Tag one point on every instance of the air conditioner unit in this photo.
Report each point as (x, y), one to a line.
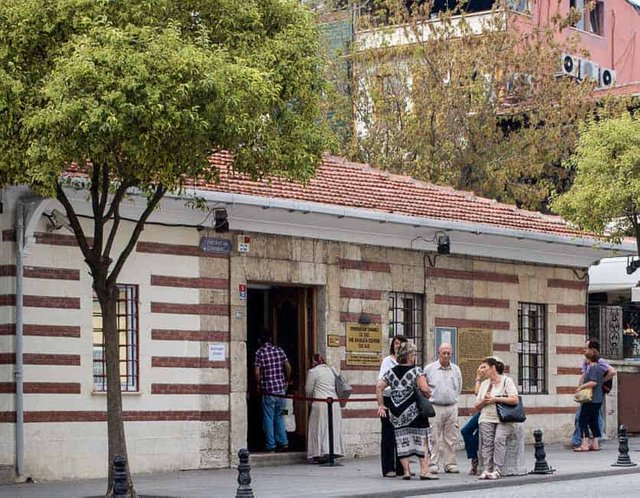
(607, 77)
(589, 70)
(570, 65)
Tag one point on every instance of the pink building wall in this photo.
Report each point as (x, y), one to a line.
(619, 46)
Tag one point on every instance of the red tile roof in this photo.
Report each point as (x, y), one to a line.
(342, 183)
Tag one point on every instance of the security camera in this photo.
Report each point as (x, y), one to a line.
(58, 221)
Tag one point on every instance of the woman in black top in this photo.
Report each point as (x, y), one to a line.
(409, 427)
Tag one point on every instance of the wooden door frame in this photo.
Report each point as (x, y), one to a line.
(307, 341)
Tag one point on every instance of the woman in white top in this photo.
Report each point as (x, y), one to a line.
(321, 383)
(391, 465)
(496, 388)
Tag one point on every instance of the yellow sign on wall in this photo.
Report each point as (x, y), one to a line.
(364, 359)
(364, 338)
(333, 340)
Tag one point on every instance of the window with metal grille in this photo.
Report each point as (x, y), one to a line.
(405, 317)
(127, 322)
(532, 348)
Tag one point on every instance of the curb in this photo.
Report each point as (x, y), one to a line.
(502, 483)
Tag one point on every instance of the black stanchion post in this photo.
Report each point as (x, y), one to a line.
(623, 450)
(244, 475)
(331, 461)
(541, 466)
(120, 478)
(331, 455)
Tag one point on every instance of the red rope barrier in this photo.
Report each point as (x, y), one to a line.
(325, 400)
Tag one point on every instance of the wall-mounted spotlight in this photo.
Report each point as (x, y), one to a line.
(220, 220)
(57, 220)
(444, 245)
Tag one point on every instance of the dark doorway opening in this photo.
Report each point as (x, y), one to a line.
(289, 314)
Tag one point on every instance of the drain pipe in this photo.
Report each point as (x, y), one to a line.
(19, 372)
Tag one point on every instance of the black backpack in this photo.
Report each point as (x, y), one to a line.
(607, 386)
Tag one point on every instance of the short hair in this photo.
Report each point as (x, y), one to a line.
(592, 355)
(593, 343)
(265, 338)
(406, 348)
(401, 338)
(494, 361)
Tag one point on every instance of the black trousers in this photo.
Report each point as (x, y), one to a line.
(589, 419)
(388, 455)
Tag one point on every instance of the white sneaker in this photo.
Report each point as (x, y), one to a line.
(484, 475)
(494, 476)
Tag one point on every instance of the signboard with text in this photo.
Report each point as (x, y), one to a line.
(216, 246)
(474, 345)
(364, 338)
(364, 359)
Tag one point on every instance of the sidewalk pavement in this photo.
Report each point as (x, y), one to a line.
(355, 478)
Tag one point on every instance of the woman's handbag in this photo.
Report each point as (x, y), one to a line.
(424, 405)
(343, 389)
(511, 413)
(584, 395)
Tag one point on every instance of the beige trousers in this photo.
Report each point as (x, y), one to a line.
(493, 444)
(444, 432)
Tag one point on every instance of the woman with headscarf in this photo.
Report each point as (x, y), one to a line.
(409, 426)
(321, 383)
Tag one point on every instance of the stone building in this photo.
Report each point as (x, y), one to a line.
(350, 259)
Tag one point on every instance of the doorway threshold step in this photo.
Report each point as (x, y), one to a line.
(274, 459)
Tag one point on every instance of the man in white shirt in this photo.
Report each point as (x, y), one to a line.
(445, 381)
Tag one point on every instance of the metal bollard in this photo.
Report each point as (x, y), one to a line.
(244, 475)
(541, 466)
(120, 477)
(623, 450)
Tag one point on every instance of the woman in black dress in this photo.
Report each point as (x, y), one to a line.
(409, 426)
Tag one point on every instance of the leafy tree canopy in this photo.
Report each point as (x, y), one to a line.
(605, 196)
(139, 94)
(152, 88)
(476, 102)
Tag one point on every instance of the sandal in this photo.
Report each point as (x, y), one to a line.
(594, 449)
(580, 450)
(428, 477)
(406, 477)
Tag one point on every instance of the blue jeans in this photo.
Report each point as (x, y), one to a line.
(576, 438)
(470, 436)
(273, 422)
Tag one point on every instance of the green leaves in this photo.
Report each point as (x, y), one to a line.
(472, 101)
(605, 197)
(150, 88)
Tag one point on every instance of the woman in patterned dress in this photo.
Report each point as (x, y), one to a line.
(409, 427)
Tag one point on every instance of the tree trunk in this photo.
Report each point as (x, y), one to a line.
(115, 423)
